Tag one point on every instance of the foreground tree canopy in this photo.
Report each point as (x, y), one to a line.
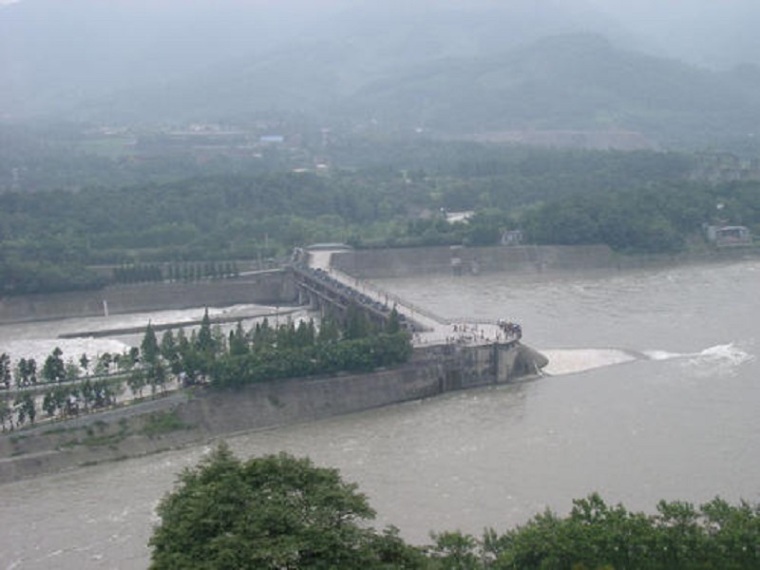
(280, 512)
(270, 512)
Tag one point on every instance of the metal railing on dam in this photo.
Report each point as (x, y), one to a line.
(323, 291)
(325, 288)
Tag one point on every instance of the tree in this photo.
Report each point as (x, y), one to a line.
(596, 535)
(6, 413)
(22, 373)
(6, 376)
(170, 352)
(393, 325)
(156, 376)
(71, 371)
(357, 323)
(238, 342)
(103, 365)
(84, 362)
(149, 346)
(275, 512)
(205, 336)
(25, 408)
(136, 381)
(54, 369)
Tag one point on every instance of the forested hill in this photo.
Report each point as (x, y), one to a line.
(569, 82)
(449, 72)
(577, 82)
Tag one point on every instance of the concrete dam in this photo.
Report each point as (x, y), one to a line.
(447, 357)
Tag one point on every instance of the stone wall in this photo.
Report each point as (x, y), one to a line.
(383, 263)
(208, 415)
(267, 288)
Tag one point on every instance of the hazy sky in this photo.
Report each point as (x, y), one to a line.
(712, 32)
(63, 47)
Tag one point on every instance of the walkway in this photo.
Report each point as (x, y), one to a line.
(430, 329)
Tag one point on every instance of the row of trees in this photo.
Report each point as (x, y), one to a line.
(269, 352)
(55, 369)
(660, 218)
(58, 402)
(146, 273)
(281, 512)
(207, 355)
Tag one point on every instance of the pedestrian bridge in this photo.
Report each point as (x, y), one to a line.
(328, 290)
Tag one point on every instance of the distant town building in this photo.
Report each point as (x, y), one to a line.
(271, 139)
(457, 217)
(728, 236)
(511, 237)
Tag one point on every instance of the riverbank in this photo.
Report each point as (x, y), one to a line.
(274, 287)
(197, 415)
(457, 260)
(262, 288)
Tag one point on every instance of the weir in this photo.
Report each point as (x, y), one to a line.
(448, 356)
(325, 288)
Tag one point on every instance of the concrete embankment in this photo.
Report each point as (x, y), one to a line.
(457, 260)
(265, 288)
(408, 262)
(199, 415)
(202, 415)
(276, 287)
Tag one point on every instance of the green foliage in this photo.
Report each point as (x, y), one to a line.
(163, 422)
(6, 375)
(455, 551)
(654, 219)
(26, 408)
(279, 361)
(6, 414)
(275, 512)
(280, 512)
(596, 535)
(54, 369)
(149, 346)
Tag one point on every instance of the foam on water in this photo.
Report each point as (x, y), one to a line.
(570, 361)
(727, 353)
(662, 355)
(39, 349)
(718, 359)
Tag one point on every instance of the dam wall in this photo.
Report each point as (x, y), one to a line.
(205, 415)
(409, 262)
(265, 288)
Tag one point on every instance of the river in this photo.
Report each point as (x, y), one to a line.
(653, 392)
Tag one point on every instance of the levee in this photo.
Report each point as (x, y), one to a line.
(204, 415)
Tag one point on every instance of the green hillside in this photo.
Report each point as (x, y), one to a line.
(568, 82)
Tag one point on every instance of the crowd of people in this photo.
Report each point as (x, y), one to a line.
(511, 330)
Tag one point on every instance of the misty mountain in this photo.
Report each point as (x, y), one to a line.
(453, 68)
(708, 33)
(55, 55)
(576, 81)
(567, 82)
